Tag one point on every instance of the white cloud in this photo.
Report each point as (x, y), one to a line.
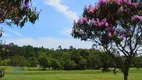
(13, 32)
(6, 35)
(67, 32)
(62, 9)
(49, 42)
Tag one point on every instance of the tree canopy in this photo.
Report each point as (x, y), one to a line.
(116, 25)
(17, 12)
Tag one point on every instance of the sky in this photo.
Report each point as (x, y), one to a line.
(53, 27)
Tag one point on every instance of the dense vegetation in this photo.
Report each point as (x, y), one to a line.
(67, 59)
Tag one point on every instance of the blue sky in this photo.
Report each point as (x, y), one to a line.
(53, 27)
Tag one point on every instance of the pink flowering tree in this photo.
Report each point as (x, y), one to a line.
(116, 25)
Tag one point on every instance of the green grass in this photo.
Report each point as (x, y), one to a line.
(69, 75)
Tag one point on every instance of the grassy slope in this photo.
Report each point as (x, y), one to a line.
(69, 75)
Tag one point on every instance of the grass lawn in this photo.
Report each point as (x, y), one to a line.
(69, 75)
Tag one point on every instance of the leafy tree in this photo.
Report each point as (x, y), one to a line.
(71, 48)
(56, 65)
(82, 64)
(105, 59)
(5, 62)
(113, 25)
(69, 65)
(43, 62)
(19, 61)
(76, 57)
(94, 62)
(59, 47)
(138, 62)
(32, 62)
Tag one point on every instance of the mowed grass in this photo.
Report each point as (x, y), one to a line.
(69, 75)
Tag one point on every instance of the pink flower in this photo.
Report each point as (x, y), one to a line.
(115, 32)
(109, 35)
(99, 24)
(122, 36)
(135, 17)
(119, 2)
(90, 9)
(134, 4)
(103, 1)
(93, 22)
(125, 1)
(110, 28)
(106, 24)
(129, 2)
(96, 6)
(75, 22)
(26, 5)
(82, 20)
(90, 6)
(140, 17)
(104, 20)
(98, 20)
(121, 9)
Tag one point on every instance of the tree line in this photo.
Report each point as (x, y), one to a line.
(60, 59)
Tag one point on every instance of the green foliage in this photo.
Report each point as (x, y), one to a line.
(32, 62)
(43, 62)
(69, 65)
(5, 62)
(56, 65)
(67, 59)
(82, 64)
(18, 61)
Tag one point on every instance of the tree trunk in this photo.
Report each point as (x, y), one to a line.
(126, 73)
(125, 77)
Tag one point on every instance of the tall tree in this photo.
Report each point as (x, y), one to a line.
(114, 25)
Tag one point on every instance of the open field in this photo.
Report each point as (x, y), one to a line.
(69, 75)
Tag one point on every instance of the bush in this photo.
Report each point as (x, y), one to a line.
(56, 65)
(70, 65)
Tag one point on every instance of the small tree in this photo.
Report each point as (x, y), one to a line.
(116, 25)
